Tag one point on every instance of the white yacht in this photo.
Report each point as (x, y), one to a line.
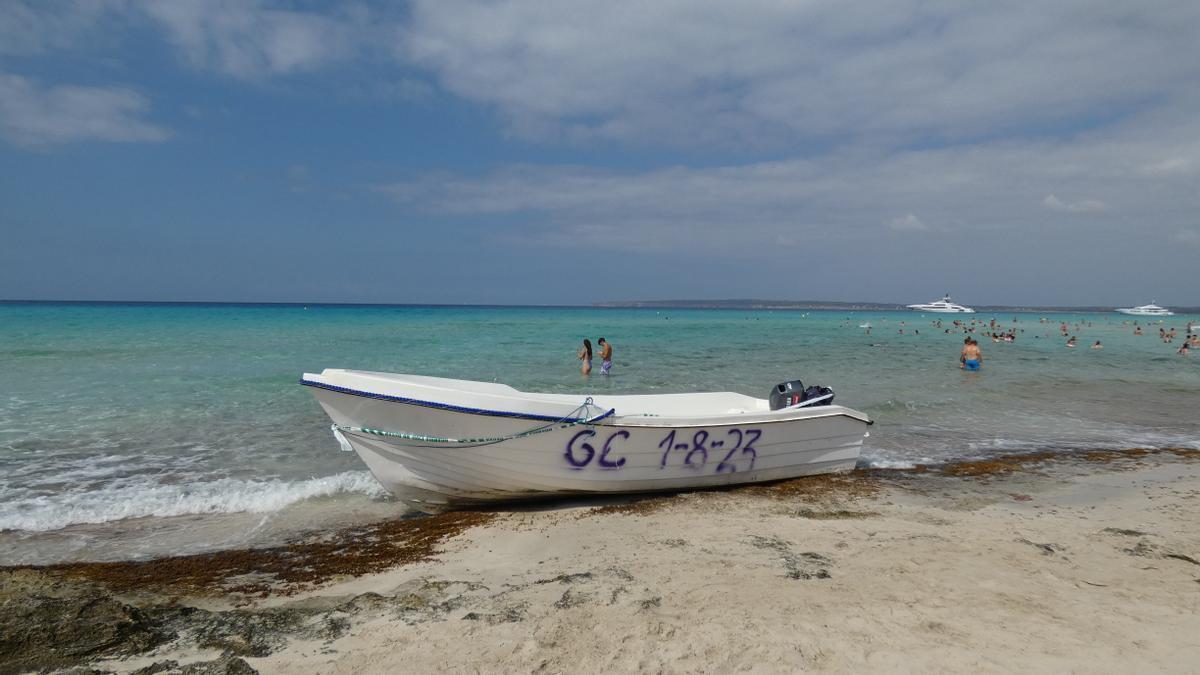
(1146, 310)
(944, 306)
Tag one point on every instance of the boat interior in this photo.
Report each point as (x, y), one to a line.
(501, 397)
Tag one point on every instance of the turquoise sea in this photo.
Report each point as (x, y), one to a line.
(132, 430)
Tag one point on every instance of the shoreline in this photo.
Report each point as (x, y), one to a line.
(994, 565)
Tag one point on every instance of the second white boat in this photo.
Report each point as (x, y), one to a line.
(943, 306)
(439, 443)
(1146, 310)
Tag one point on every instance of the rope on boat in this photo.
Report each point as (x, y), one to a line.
(811, 401)
(569, 420)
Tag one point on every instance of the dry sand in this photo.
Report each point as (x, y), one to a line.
(1066, 566)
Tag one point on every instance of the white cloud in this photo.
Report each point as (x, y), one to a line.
(909, 223)
(34, 115)
(967, 191)
(251, 39)
(695, 72)
(1083, 206)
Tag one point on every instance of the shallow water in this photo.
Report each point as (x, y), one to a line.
(137, 430)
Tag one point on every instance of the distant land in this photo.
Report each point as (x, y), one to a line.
(612, 304)
(825, 304)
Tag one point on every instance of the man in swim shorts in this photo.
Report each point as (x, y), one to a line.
(605, 356)
(972, 356)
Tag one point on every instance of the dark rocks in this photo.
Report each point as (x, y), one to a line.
(168, 666)
(48, 623)
(42, 631)
(369, 602)
(246, 633)
(228, 664)
(252, 633)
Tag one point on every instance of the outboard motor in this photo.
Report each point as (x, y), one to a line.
(787, 393)
(790, 393)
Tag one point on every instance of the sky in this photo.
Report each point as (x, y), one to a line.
(568, 152)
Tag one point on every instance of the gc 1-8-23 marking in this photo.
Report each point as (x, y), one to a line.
(737, 444)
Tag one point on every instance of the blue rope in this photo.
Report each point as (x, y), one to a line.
(565, 422)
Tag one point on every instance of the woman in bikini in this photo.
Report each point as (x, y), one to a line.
(585, 355)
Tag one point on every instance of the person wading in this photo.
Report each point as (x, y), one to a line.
(972, 356)
(585, 355)
(605, 356)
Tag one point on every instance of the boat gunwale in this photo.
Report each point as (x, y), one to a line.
(441, 406)
(449, 407)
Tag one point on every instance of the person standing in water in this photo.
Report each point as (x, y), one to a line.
(585, 355)
(972, 356)
(605, 356)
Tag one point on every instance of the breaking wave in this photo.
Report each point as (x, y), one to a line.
(227, 495)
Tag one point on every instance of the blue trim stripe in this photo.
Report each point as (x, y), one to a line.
(442, 406)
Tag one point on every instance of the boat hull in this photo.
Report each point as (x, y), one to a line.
(941, 310)
(572, 459)
(1134, 312)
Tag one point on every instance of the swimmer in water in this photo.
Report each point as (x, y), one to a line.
(972, 356)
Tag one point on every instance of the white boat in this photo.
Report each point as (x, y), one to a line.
(944, 306)
(1146, 310)
(438, 443)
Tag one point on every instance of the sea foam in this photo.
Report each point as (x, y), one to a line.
(226, 495)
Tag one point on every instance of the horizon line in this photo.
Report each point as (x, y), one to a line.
(727, 303)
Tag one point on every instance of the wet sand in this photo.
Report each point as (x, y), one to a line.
(1044, 563)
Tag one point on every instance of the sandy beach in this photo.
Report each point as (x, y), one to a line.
(1088, 562)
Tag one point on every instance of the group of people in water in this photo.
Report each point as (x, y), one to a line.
(1191, 336)
(585, 356)
(971, 357)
